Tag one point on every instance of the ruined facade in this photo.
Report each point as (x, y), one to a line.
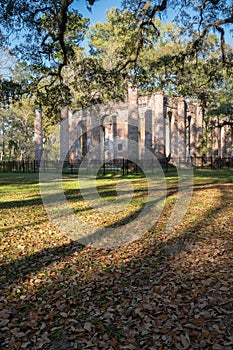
(168, 127)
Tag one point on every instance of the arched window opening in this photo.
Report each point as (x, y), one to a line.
(108, 136)
(188, 137)
(168, 121)
(82, 141)
(148, 130)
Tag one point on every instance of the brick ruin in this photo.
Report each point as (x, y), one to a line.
(168, 127)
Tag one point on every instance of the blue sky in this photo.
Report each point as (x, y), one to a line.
(99, 9)
(101, 6)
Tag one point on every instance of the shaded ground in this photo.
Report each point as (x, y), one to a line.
(166, 291)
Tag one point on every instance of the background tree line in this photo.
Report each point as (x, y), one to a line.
(49, 66)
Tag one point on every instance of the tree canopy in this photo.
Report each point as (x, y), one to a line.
(47, 30)
(187, 56)
(48, 35)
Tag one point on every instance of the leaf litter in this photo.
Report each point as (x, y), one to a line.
(166, 291)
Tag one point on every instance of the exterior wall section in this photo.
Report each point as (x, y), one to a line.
(169, 127)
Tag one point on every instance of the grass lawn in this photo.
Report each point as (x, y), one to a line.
(164, 291)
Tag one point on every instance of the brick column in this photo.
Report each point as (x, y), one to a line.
(159, 125)
(141, 134)
(64, 134)
(181, 126)
(133, 122)
(197, 131)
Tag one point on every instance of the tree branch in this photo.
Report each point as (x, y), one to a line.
(145, 22)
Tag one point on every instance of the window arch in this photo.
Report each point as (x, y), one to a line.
(82, 139)
(168, 135)
(188, 136)
(108, 136)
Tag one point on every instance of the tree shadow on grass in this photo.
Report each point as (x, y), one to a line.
(32, 263)
(47, 256)
(163, 292)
